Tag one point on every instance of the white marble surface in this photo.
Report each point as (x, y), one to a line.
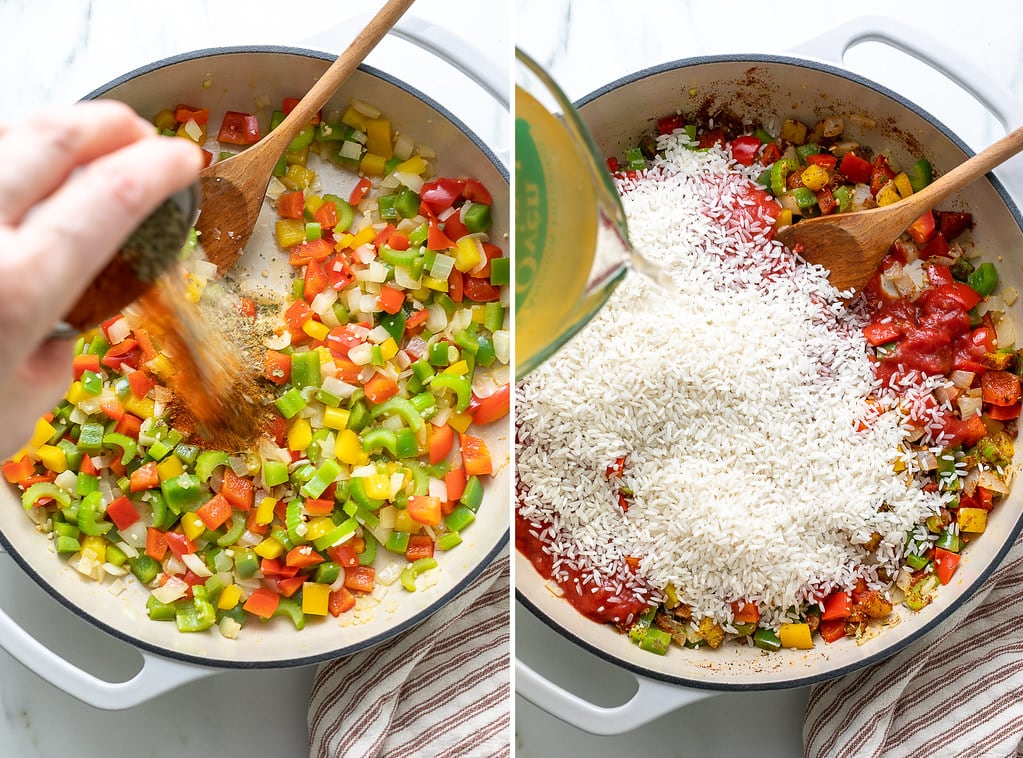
(589, 43)
(56, 51)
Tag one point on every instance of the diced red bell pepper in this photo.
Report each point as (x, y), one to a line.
(314, 281)
(145, 477)
(303, 556)
(454, 229)
(882, 333)
(237, 490)
(440, 194)
(824, 160)
(277, 367)
(1000, 388)
(215, 512)
(156, 543)
(291, 205)
(125, 352)
(379, 388)
(419, 546)
(939, 275)
(456, 285)
(360, 191)
(936, 248)
(491, 408)
(668, 124)
(424, 509)
(275, 567)
(454, 482)
(339, 601)
(321, 506)
(300, 255)
(123, 512)
(326, 215)
(85, 362)
(945, 564)
(854, 168)
(475, 456)
(880, 174)
(826, 200)
(479, 290)
(141, 383)
(178, 543)
(288, 105)
(475, 192)
(344, 555)
(390, 299)
(262, 602)
(129, 426)
(710, 138)
(184, 113)
(291, 584)
(437, 239)
(923, 229)
(19, 470)
(442, 439)
(771, 153)
(964, 294)
(239, 129)
(952, 224)
(745, 612)
(360, 578)
(384, 236)
(832, 631)
(1004, 412)
(744, 149)
(838, 605)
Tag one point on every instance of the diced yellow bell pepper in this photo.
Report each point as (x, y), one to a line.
(297, 157)
(299, 435)
(315, 598)
(903, 185)
(972, 520)
(347, 447)
(335, 418)
(479, 314)
(319, 527)
(372, 164)
(344, 242)
(143, 407)
(165, 120)
(265, 510)
(192, 525)
(468, 254)
(170, 467)
(403, 522)
(795, 635)
(194, 287)
(190, 130)
(297, 178)
(887, 195)
(53, 458)
(784, 218)
(269, 548)
(378, 486)
(364, 236)
(96, 546)
(815, 177)
(439, 285)
(414, 165)
(457, 368)
(378, 138)
(229, 597)
(388, 348)
(161, 366)
(289, 232)
(316, 329)
(460, 422)
(312, 204)
(41, 434)
(354, 119)
(76, 393)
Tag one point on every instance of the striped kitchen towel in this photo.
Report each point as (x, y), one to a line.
(956, 692)
(441, 689)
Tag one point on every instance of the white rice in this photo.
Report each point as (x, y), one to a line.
(739, 401)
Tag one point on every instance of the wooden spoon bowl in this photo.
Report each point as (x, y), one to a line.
(233, 189)
(852, 245)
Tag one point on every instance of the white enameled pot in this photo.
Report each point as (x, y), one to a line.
(770, 88)
(242, 79)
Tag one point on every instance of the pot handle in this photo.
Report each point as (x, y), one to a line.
(652, 700)
(449, 47)
(832, 46)
(157, 675)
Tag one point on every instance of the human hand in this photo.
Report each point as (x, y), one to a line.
(74, 183)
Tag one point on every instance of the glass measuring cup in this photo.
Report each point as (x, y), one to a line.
(571, 240)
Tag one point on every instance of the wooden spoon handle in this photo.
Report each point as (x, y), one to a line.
(968, 171)
(339, 70)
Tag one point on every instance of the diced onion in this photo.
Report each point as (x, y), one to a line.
(970, 405)
(442, 266)
(324, 301)
(367, 110)
(196, 564)
(989, 480)
(962, 379)
(438, 488)
(135, 535)
(404, 279)
(361, 355)
(437, 318)
(502, 345)
(173, 589)
(403, 147)
(413, 181)
(379, 334)
(1005, 331)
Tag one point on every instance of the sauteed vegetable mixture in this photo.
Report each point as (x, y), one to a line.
(380, 367)
(942, 351)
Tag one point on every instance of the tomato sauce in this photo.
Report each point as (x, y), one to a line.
(596, 605)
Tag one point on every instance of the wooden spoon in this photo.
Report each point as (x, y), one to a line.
(233, 190)
(852, 245)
